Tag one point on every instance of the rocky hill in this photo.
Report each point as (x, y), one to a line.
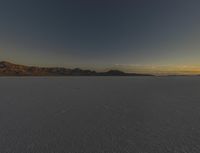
(10, 69)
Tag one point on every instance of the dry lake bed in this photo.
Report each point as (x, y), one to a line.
(100, 115)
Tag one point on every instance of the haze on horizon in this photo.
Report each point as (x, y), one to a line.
(156, 36)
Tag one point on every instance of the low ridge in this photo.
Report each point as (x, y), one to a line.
(11, 69)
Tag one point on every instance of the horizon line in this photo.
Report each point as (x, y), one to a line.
(126, 68)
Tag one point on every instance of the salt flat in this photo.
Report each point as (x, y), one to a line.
(100, 115)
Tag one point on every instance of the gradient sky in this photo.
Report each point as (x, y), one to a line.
(146, 35)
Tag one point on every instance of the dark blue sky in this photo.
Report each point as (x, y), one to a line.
(101, 33)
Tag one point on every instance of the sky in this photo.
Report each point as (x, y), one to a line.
(155, 36)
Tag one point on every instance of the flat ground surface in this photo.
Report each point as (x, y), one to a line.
(100, 115)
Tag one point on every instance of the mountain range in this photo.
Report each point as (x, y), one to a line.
(11, 69)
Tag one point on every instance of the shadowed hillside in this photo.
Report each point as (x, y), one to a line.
(10, 69)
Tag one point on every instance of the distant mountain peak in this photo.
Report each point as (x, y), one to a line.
(4, 64)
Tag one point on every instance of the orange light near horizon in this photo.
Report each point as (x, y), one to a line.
(161, 70)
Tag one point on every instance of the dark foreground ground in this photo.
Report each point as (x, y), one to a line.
(100, 115)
